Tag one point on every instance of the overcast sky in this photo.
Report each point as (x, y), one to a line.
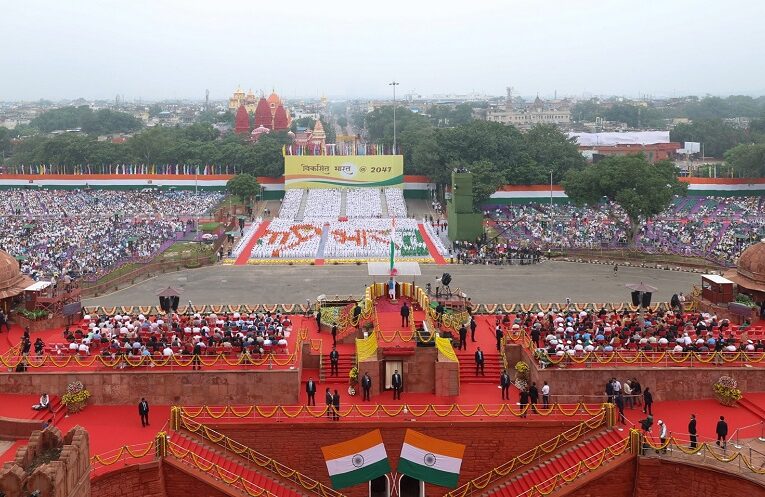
(158, 49)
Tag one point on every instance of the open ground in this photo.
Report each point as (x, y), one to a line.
(550, 281)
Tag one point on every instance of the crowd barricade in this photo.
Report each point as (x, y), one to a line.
(642, 358)
(394, 412)
(572, 434)
(181, 422)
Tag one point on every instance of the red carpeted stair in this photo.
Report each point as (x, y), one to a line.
(558, 463)
(492, 366)
(56, 410)
(752, 407)
(247, 251)
(346, 361)
(231, 465)
(438, 258)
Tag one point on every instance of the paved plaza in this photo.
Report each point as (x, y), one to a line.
(549, 281)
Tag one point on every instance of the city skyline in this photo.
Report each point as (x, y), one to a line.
(177, 50)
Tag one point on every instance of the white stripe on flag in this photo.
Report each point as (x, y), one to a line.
(442, 463)
(346, 463)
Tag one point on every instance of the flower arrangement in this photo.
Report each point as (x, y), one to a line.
(76, 397)
(353, 375)
(521, 369)
(726, 391)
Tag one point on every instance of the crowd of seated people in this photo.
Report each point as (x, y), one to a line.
(58, 233)
(717, 228)
(135, 336)
(577, 333)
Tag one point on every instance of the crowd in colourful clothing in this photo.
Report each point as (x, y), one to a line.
(60, 233)
(716, 228)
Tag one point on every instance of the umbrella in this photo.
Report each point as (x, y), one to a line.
(641, 287)
(21, 257)
(170, 292)
(232, 233)
(28, 226)
(241, 217)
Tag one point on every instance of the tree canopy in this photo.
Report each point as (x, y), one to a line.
(98, 122)
(747, 160)
(716, 136)
(640, 188)
(245, 186)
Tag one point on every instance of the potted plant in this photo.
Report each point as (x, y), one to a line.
(76, 397)
(726, 391)
(353, 381)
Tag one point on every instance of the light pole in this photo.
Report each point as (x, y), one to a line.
(551, 187)
(394, 84)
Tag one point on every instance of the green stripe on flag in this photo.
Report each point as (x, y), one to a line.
(361, 475)
(428, 475)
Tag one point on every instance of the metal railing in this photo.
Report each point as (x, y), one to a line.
(278, 469)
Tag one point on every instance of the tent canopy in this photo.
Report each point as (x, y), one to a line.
(170, 292)
(400, 268)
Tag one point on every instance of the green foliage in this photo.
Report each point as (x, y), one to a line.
(34, 315)
(745, 299)
(244, 186)
(487, 179)
(747, 160)
(716, 136)
(445, 116)
(103, 121)
(635, 116)
(640, 188)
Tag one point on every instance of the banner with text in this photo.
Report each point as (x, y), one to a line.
(328, 171)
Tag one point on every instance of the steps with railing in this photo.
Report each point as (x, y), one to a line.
(255, 464)
(225, 468)
(565, 466)
(500, 476)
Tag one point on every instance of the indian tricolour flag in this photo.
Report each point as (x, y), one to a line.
(356, 461)
(430, 459)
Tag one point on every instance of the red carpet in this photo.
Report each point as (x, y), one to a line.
(245, 254)
(542, 474)
(230, 467)
(431, 247)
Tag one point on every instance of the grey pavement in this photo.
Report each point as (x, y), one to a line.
(549, 281)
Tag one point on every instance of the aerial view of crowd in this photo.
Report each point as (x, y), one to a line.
(577, 333)
(714, 228)
(58, 233)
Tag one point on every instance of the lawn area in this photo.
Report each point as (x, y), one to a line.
(187, 249)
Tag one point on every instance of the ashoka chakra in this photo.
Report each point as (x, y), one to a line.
(429, 459)
(357, 460)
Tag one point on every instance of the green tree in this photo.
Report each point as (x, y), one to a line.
(714, 134)
(553, 151)
(103, 121)
(640, 188)
(487, 179)
(747, 160)
(245, 186)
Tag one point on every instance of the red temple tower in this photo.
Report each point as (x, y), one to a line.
(242, 122)
(263, 115)
(281, 121)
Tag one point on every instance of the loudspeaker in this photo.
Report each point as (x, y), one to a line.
(174, 301)
(636, 298)
(164, 303)
(646, 299)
